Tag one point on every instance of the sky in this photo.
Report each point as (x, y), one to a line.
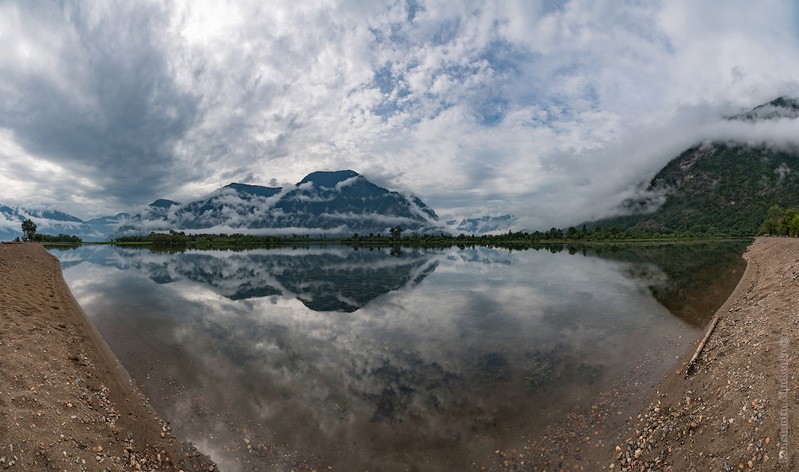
(554, 111)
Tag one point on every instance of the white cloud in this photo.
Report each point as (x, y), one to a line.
(551, 111)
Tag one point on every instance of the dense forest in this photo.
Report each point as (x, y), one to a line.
(781, 222)
(59, 238)
(714, 189)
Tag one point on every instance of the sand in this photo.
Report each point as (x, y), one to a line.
(65, 401)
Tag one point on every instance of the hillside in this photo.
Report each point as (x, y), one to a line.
(50, 222)
(717, 188)
(484, 224)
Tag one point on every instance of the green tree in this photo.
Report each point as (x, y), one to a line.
(395, 232)
(792, 223)
(29, 229)
(774, 218)
(571, 233)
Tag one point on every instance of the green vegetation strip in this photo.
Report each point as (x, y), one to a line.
(507, 240)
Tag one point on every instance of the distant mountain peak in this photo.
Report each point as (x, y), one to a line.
(258, 190)
(330, 202)
(781, 107)
(52, 222)
(48, 214)
(163, 203)
(785, 102)
(328, 179)
(488, 224)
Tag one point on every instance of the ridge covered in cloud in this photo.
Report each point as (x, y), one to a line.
(330, 203)
(552, 111)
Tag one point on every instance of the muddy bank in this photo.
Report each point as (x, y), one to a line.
(739, 409)
(65, 401)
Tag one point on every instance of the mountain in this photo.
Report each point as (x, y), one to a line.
(47, 222)
(56, 222)
(718, 188)
(333, 202)
(483, 224)
(257, 190)
(163, 203)
(782, 107)
(100, 228)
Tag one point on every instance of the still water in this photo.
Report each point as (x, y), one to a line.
(273, 359)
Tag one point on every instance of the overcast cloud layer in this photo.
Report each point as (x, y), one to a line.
(552, 111)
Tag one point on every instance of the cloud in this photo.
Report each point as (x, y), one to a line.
(553, 111)
(91, 90)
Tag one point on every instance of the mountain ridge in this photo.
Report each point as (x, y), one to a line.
(717, 188)
(711, 188)
(338, 203)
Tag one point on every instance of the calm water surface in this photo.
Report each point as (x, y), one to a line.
(374, 360)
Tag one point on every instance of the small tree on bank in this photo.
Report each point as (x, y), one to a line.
(396, 232)
(29, 229)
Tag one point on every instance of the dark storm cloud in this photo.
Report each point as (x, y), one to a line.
(107, 106)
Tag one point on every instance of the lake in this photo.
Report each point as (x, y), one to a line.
(314, 357)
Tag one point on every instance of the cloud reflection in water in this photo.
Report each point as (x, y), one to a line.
(360, 359)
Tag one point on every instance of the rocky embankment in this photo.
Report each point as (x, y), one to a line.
(739, 408)
(65, 402)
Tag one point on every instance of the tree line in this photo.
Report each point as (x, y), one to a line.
(29, 234)
(780, 222)
(399, 236)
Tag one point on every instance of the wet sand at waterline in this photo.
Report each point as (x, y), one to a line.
(65, 401)
(739, 408)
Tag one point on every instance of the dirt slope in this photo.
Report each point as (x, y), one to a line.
(65, 402)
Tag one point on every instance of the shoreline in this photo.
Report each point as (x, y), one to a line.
(736, 410)
(585, 437)
(66, 403)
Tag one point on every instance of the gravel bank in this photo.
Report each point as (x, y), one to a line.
(65, 401)
(739, 409)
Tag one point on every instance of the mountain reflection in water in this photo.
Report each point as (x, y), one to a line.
(323, 280)
(365, 360)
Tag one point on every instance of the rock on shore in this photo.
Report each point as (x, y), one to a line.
(65, 401)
